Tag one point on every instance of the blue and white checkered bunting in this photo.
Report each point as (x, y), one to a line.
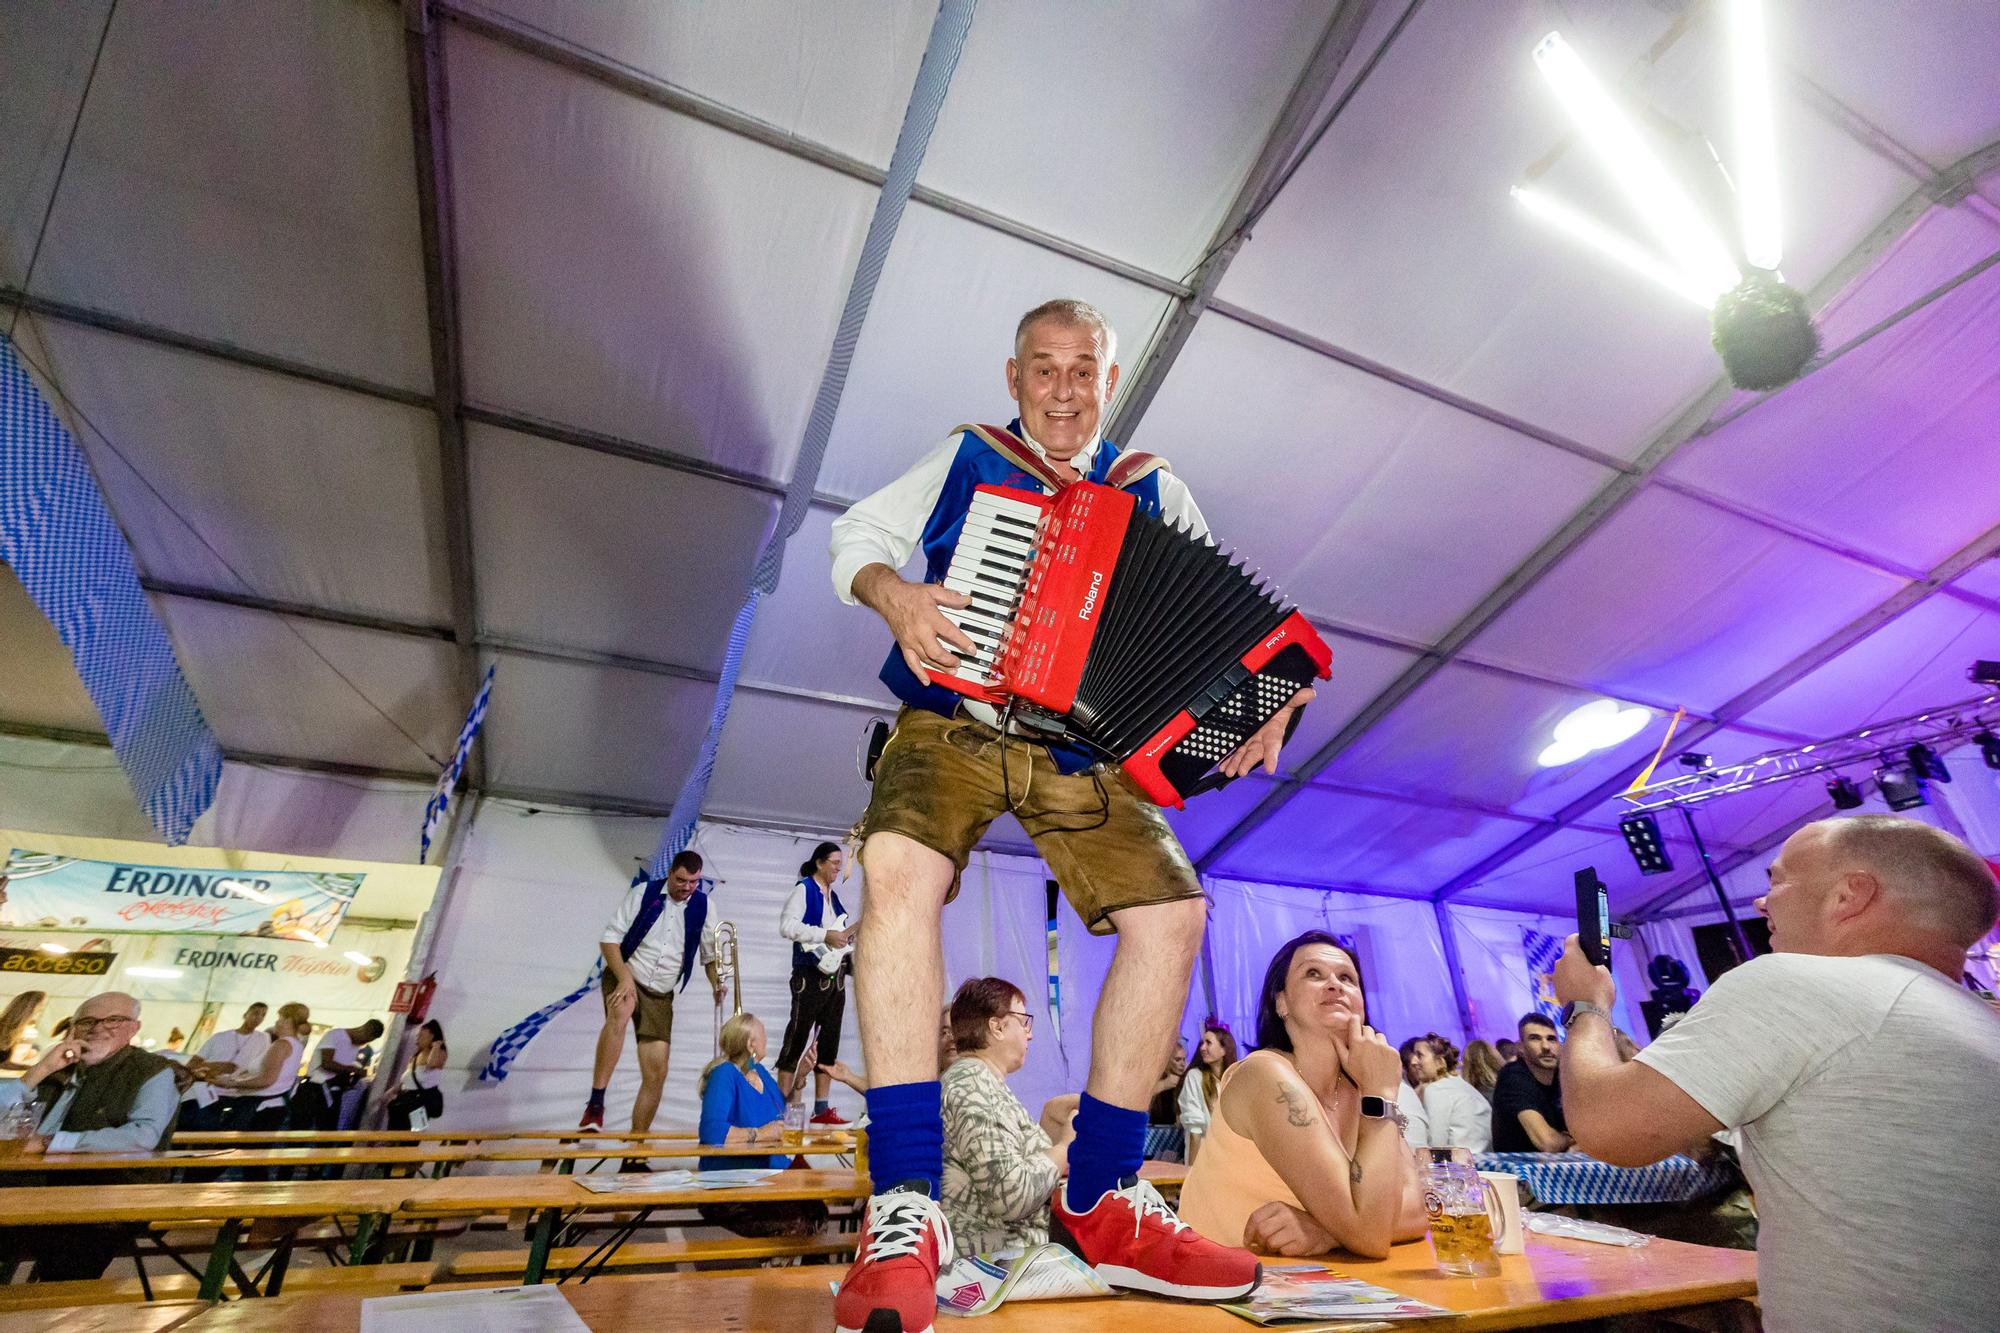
(434, 809)
(1574, 1178)
(59, 537)
(1542, 952)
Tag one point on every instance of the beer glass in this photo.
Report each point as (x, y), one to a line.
(795, 1124)
(1466, 1221)
(18, 1123)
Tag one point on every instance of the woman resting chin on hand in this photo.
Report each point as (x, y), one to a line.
(1290, 1165)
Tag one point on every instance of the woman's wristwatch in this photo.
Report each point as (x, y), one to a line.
(1383, 1108)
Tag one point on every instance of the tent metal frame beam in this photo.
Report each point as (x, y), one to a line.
(430, 132)
(1288, 132)
(1689, 425)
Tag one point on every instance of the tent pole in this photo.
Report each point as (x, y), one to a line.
(1743, 952)
(1450, 942)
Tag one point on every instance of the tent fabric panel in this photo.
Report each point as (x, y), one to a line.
(837, 73)
(1542, 879)
(599, 731)
(790, 759)
(1164, 135)
(1361, 670)
(1673, 599)
(1397, 847)
(1207, 817)
(1884, 470)
(934, 351)
(1916, 660)
(1872, 58)
(1939, 245)
(1411, 508)
(40, 686)
(48, 53)
(309, 495)
(590, 551)
(303, 689)
(638, 273)
(805, 637)
(1478, 736)
(244, 172)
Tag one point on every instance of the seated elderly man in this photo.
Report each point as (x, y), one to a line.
(94, 1091)
(1860, 1074)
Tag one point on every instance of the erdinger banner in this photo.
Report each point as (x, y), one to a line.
(50, 891)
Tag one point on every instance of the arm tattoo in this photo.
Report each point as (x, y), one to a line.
(1296, 1113)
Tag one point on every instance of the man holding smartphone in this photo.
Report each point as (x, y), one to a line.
(1859, 1073)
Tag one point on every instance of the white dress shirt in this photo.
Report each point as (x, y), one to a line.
(656, 963)
(792, 921)
(1459, 1117)
(884, 528)
(245, 1050)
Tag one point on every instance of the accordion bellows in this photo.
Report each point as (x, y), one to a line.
(1110, 628)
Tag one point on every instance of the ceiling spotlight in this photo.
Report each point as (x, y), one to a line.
(1901, 788)
(1642, 837)
(1984, 673)
(1697, 762)
(1989, 748)
(1925, 763)
(1598, 725)
(1846, 795)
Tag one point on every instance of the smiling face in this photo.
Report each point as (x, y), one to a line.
(1061, 377)
(1211, 1050)
(1423, 1065)
(827, 868)
(1800, 883)
(1322, 992)
(104, 1025)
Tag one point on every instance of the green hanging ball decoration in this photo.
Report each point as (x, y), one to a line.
(1764, 332)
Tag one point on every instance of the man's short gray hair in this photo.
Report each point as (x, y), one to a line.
(1067, 310)
(1943, 884)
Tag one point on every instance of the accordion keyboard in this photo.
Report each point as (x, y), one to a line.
(990, 565)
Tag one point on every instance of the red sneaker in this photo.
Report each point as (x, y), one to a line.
(1135, 1243)
(829, 1117)
(892, 1287)
(593, 1118)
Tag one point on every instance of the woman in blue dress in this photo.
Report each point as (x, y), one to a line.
(740, 1103)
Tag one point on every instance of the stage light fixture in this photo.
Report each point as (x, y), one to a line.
(1697, 762)
(1925, 763)
(1642, 837)
(1598, 725)
(1989, 748)
(1846, 795)
(1984, 673)
(1901, 788)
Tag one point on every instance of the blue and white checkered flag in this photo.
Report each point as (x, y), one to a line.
(59, 537)
(441, 798)
(1543, 951)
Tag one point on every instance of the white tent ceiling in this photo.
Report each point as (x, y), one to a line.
(1501, 476)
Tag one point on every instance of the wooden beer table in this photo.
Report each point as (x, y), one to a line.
(239, 1138)
(444, 1156)
(1556, 1282)
(565, 1156)
(230, 1204)
(555, 1198)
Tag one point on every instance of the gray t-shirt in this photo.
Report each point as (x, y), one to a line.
(1866, 1090)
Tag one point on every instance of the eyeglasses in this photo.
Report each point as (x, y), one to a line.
(1027, 1019)
(83, 1025)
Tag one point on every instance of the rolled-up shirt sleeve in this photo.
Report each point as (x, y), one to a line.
(1177, 505)
(1194, 1103)
(622, 919)
(152, 1111)
(884, 528)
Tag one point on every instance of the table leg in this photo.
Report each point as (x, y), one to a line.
(364, 1237)
(274, 1278)
(538, 1248)
(220, 1256)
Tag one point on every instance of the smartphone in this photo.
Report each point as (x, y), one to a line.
(1593, 916)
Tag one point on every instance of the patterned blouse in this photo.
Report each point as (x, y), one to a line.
(997, 1172)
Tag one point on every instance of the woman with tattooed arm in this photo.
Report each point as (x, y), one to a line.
(1305, 1153)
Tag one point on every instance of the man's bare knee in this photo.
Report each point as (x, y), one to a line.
(1176, 926)
(903, 874)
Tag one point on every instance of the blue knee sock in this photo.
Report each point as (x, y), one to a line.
(906, 1135)
(819, 1107)
(1110, 1144)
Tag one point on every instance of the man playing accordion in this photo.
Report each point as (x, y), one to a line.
(945, 774)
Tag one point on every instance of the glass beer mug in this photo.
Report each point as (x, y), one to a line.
(1467, 1223)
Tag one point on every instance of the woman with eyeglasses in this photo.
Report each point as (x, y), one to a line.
(1000, 1166)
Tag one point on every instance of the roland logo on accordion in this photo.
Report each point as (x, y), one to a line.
(1113, 630)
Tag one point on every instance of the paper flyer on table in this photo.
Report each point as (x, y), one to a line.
(976, 1284)
(502, 1310)
(635, 1182)
(1310, 1293)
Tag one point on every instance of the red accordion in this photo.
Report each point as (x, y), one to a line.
(1101, 626)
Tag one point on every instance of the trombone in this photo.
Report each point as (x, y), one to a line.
(731, 970)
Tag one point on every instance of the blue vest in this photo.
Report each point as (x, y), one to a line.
(815, 913)
(978, 464)
(650, 907)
